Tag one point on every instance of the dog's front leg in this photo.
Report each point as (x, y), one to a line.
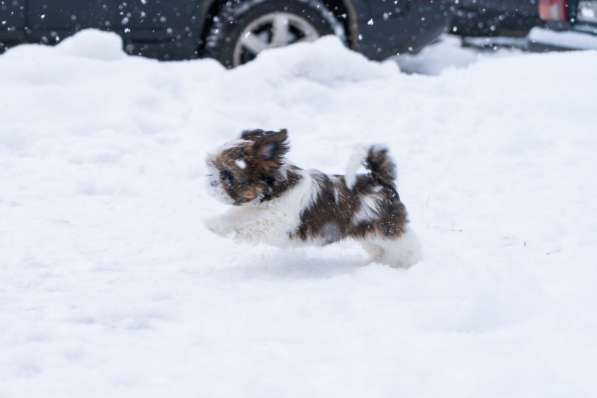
(240, 224)
(222, 225)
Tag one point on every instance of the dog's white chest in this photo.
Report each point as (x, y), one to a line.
(273, 222)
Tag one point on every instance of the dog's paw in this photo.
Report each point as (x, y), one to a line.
(217, 226)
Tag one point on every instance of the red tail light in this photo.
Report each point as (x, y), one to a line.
(553, 10)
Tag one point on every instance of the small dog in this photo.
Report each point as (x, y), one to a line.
(283, 205)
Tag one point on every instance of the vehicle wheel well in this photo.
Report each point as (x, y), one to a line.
(342, 10)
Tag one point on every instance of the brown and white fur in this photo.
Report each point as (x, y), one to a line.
(280, 204)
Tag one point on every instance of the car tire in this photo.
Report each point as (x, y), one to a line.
(244, 28)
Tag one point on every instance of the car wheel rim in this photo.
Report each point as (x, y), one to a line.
(273, 30)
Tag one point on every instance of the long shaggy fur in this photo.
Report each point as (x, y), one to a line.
(381, 165)
(281, 204)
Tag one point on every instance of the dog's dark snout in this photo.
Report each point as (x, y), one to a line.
(227, 176)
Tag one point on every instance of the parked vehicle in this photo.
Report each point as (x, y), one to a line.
(231, 31)
(571, 24)
(476, 18)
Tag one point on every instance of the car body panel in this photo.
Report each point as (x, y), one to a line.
(524, 7)
(158, 28)
(403, 27)
(12, 20)
(50, 23)
(491, 18)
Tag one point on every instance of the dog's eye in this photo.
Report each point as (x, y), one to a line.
(227, 176)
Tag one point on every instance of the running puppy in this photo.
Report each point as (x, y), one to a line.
(283, 205)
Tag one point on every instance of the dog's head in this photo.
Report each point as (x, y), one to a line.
(243, 170)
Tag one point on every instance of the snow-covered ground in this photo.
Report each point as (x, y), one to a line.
(110, 285)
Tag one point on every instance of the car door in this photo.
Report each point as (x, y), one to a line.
(165, 29)
(51, 21)
(156, 20)
(12, 21)
(139, 22)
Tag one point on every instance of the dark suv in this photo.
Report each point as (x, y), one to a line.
(495, 18)
(232, 31)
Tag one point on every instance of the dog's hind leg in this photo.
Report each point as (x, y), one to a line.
(374, 250)
(401, 252)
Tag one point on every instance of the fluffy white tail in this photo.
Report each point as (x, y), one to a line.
(376, 160)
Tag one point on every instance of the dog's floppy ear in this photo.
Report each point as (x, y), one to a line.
(269, 147)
